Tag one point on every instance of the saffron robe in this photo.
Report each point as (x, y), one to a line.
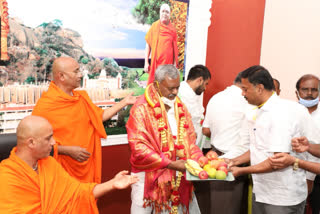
(76, 121)
(163, 42)
(53, 190)
(146, 152)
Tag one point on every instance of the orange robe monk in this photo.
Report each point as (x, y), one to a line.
(163, 42)
(53, 190)
(151, 153)
(76, 121)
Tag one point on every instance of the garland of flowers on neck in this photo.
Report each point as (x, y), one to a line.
(179, 147)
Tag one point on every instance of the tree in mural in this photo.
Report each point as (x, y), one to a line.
(147, 12)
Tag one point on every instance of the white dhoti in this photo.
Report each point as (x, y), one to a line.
(137, 199)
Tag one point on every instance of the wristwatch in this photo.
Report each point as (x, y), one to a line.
(296, 164)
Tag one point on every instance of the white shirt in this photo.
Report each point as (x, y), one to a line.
(225, 116)
(276, 123)
(316, 118)
(193, 103)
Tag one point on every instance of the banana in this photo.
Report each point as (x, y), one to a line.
(193, 167)
(194, 164)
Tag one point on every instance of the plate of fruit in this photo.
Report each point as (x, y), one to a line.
(208, 167)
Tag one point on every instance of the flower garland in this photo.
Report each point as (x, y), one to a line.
(179, 147)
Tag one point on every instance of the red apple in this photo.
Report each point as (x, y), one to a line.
(223, 168)
(203, 175)
(214, 164)
(203, 161)
(222, 163)
(211, 155)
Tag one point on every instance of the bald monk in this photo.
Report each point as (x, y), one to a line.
(31, 181)
(161, 42)
(76, 121)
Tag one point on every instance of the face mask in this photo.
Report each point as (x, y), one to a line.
(168, 102)
(308, 103)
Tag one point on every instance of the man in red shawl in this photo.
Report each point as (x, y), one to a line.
(161, 137)
(161, 42)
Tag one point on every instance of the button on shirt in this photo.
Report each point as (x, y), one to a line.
(271, 130)
(193, 103)
(225, 116)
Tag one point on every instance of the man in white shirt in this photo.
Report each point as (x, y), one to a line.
(224, 121)
(190, 92)
(224, 124)
(308, 95)
(272, 126)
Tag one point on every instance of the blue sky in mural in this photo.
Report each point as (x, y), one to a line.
(107, 27)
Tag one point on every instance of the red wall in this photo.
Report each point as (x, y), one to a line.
(115, 159)
(234, 41)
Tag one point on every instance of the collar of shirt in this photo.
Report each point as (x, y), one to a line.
(268, 105)
(187, 89)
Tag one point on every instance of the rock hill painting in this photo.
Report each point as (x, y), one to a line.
(106, 37)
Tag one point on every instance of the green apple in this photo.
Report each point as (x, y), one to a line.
(221, 175)
(212, 172)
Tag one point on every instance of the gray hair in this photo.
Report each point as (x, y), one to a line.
(164, 71)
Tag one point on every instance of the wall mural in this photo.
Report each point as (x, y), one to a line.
(106, 37)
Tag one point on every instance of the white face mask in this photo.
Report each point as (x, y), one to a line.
(168, 102)
(308, 103)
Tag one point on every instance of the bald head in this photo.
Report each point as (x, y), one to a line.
(62, 64)
(66, 74)
(165, 14)
(30, 127)
(34, 139)
(165, 7)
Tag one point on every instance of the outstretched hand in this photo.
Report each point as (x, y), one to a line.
(123, 180)
(281, 160)
(300, 144)
(130, 99)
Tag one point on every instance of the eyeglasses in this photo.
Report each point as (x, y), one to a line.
(307, 90)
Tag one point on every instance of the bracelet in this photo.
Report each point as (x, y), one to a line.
(296, 164)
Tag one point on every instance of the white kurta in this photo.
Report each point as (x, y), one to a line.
(193, 103)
